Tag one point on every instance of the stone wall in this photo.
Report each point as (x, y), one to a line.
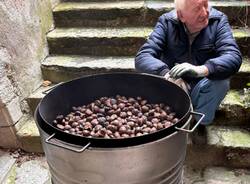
(55, 2)
(23, 25)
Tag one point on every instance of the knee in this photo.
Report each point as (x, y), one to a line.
(221, 86)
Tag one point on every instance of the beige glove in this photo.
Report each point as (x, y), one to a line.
(179, 82)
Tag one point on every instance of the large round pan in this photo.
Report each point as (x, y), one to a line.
(85, 90)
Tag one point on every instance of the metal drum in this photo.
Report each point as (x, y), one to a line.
(155, 158)
(157, 162)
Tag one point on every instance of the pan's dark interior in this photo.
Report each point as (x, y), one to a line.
(87, 89)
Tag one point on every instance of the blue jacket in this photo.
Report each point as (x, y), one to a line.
(168, 44)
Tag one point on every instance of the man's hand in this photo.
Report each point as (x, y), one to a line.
(179, 82)
(191, 70)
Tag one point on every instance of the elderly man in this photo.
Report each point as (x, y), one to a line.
(193, 47)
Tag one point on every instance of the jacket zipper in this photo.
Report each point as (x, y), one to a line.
(206, 47)
(189, 51)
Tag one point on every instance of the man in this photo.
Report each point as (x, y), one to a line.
(193, 47)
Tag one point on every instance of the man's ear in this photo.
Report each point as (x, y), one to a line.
(180, 16)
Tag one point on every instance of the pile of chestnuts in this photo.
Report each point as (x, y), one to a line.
(116, 117)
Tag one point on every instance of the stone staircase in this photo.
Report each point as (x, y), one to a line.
(98, 37)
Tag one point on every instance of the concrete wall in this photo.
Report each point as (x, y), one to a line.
(23, 25)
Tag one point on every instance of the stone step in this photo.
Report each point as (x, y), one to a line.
(64, 68)
(226, 146)
(242, 78)
(216, 175)
(234, 109)
(98, 1)
(134, 13)
(99, 14)
(113, 41)
(30, 168)
(6, 165)
(97, 41)
(33, 171)
(29, 137)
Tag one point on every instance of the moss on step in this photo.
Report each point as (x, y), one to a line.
(44, 13)
(245, 66)
(236, 98)
(234, 109)
(29, 137)
(99, 33)
(240, 33)
(233, 97)
(12, 176)
(236, 138)
(73, 6)
(229, 137)
(116, 32)
(220, 175)
(81, 63)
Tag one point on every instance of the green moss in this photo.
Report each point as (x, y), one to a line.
(44, 13)
(71, 6)
(241, 33)
(246, 98)
(236, 138)
(28, 129)
(237, 98)
(66, 6)
(95, 32)
(245, 67)
(12, 176)
(233, 97)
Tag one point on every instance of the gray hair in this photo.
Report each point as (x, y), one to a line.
(179, 4)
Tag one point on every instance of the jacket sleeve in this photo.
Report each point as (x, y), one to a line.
(147, 59)
(229, 57)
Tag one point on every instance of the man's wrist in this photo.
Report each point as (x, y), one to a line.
(204, 70)
(164, 72)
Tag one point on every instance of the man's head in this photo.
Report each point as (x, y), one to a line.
(193, 13)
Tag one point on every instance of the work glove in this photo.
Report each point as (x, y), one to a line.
(188, 69)
(179, 82)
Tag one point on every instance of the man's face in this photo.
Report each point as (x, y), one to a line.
(195, 15)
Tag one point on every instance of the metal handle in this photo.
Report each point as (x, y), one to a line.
(45, 92)
(190, 131)
(68, 147)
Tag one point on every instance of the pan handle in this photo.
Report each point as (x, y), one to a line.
(45, 92)
(66, 146)
(193, 113)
